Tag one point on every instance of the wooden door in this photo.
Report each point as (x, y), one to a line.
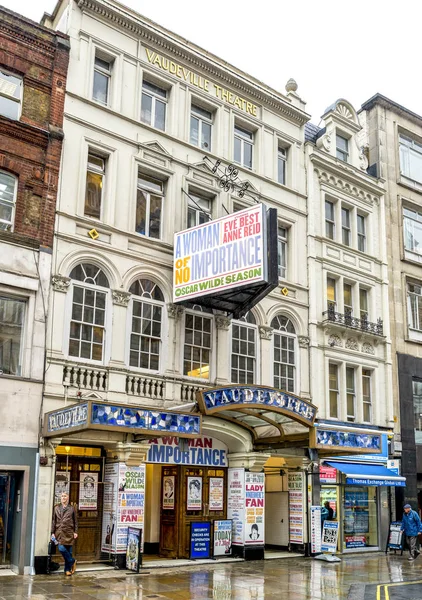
(169, 523)
(87, 546)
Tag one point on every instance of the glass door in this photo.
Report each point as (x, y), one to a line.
(7, 495)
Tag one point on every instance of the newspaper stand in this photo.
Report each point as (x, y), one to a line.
(395, 538)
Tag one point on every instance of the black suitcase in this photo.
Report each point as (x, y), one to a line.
(51, 565)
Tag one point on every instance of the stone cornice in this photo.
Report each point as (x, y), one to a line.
(167, 41)
(345, 178)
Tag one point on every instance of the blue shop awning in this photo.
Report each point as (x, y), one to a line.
(367, 474)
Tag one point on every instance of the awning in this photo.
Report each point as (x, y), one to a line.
(362, 474)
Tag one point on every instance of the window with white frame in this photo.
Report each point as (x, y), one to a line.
(281, 165)
(348, 300)
(412, 227)
(243, 361)
(102, 79)
(153, 105)
(410, 158)
(95, 179)
(350, 394)
(331, 293)
(333, 390)
(197, 346)
(10, 95)
(282, 251)
(12, 320)
(147, 314)
(199, 209)
(363, 304)
(367, 395)
(417, 409)
(330, 224)
(88, 321)
(361, 229)
(149, 206)
(342, 147)
(345, 226)
(243, 146)
(414, 301)
(200, 127)
(8, 190)
(284, 346)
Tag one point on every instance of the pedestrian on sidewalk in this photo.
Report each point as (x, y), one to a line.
(65, 529)
(411, 525)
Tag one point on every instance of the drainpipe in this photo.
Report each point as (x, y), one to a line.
(34, 514)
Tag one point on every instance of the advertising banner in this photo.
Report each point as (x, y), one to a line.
(201, 452)
(355, 541)
(200, 540)
(295, 483)
(223, 538)
(216, 493)
(194, 493)
(254, 506)
(133, 550)
(236, 504)
(88, 491)
(169, 491)
(327, 474)
(315, 529)
(329, 536)
(220, 255)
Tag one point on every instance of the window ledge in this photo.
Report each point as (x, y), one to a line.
(409, 183)
(413, 257)
(414, 335)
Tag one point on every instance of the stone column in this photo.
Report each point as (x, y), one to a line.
(119, 333)
(267, 369)
(223, 350)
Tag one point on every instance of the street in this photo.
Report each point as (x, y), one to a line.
(359, 577)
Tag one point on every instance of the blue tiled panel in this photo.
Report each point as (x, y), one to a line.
(348, 440)
(123, 416)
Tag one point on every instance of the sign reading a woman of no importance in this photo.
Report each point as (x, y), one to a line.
(221, 254)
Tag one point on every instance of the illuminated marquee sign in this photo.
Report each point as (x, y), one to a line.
(200, 82)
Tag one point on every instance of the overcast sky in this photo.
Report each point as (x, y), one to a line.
(332, 48)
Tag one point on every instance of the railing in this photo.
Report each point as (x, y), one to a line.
(188, 391)
(89, 378)
(347, 320)
(149, 387)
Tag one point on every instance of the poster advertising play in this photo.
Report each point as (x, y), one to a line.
(110, 508)
(216, 493)
(236, 504)
(223, 538)
(88, 491)
(295, 484)
(254, 506)
(168, 492)
(133, 550)
(194, 493)
(200, 540)
(61, 485)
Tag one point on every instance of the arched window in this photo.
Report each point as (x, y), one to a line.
(147, 314)
(243, 363)
(8, 188)
(198, 342)
(284, 337)
(88, 321)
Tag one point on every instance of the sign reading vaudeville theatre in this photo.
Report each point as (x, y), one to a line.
(220, 255)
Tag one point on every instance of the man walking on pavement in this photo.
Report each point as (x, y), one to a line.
(65, 529)
(411, 525)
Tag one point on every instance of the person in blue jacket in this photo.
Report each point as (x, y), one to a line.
(411, 525)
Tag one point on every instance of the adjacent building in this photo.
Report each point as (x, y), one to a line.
(394, 137)
(33, 68)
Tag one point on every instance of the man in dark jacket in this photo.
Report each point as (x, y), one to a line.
(411, 525)
(65, 529)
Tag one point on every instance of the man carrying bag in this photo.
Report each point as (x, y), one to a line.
(411, 525)
(64, 529)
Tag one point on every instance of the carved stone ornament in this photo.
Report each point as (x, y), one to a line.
(363, 162)
(334, 340)
(60, 283)
(174, 311)
(303, 341)
(120, 297)
(222, 322)
(352, 344)
(368, 348)
(325, 142)
(265, 333)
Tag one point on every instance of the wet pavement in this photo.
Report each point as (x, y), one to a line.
(291, 578)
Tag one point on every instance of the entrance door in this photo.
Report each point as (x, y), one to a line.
(7, 501)
(200, 495)
(86, 496)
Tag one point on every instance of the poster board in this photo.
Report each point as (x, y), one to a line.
(236, 504)
(222, 540)
(216, 493)
(395, 536)
(133, 549)
(194, 493)
(329, 536)
(169, 492)
(316, 538)
(88, 491)
(295, 483)
(200, 540)
(254, 508)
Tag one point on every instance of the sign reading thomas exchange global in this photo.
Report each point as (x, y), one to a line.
(220, 255)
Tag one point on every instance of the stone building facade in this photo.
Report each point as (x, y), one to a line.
(33, 69)
(394, 137)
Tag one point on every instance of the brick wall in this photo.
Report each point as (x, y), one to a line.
(31, 148)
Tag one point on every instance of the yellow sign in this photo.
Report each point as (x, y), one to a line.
(200, 82)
